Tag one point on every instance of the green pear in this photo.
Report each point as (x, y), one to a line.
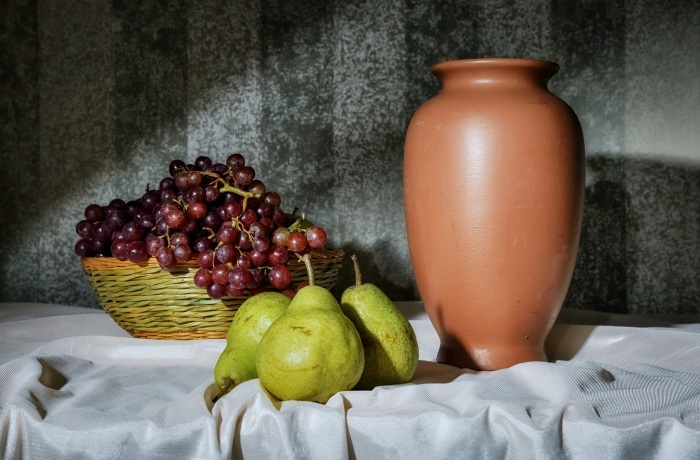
(389, 341)
(224, 370)
(312, 351)
(236, 364)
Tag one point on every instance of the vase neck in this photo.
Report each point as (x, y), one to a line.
(497, 71)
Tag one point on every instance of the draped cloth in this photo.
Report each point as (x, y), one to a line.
(75, 385)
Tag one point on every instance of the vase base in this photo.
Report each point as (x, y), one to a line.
(489, 358)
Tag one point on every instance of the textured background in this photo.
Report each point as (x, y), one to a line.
(96, 97)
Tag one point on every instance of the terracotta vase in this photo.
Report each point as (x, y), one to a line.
(493, 194)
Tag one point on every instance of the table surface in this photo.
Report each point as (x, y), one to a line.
(75, 385)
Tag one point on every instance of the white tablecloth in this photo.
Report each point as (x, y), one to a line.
(74, 385)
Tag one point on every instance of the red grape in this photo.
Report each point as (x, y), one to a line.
(226, 253)
(216, 291)
(176, 167)
(280, 237)
(147, 221)
(280, 277)
(265, 210)
(235, 159)
(244, 261)
(119, 250)
(183, 253)
(197, 210)
(167, 196)
(248, 218)
(83, 247)
(182, 182)
(94, 213)
(278, 255)
(194, 178)
(297, 241)
(161, 227)
(228, 234)
(211, 193)
(205, 259)
(211, 220)
(257, 279)
(190, 225)
(153, 244)
(166, 258)
(232, 209)
(219, 168)
(201, 243)
(101, 232)
(258, 228)
(273, 199)
(244, 242)
(137, 252)
(175, 218)
(202, 278)
(117, 218)
(239, 278)
(202, 162)
(179, 238)
(316, 237)
(261, 243)
(194, 195)
(258, 258)
(84, 229)
(132, 231)
(244, 175)
(220, 274)
(234, 292)
(257, 187)
(167, 183)
(150, 199)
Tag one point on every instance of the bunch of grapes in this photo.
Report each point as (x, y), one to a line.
(218, 214)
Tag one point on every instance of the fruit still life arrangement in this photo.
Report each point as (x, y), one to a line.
(210, 253)
(311, 347)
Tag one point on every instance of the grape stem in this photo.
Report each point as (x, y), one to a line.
(298, 220)
(245, 194)
(358, 274)
(309, 269)
(295, 224)
(167, 235)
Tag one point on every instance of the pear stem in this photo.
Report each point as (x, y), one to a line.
(309, 269)
(358, 275)
(228, 386)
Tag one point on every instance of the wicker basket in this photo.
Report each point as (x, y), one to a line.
(151, 303)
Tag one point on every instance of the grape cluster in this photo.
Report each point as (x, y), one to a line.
(218, 214)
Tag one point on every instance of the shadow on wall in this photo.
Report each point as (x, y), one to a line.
(640, 241)
(600, 277)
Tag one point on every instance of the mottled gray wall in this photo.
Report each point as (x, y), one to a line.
(96, 97)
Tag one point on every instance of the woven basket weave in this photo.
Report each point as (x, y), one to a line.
(151, 303)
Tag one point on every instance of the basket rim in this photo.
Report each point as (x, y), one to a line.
(149, 302)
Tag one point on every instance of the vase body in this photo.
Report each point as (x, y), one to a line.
(493, 194)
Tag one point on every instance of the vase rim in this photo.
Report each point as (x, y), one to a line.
(543, 67)
(498, 61)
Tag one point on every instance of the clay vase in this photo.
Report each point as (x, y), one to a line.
(493, 194)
